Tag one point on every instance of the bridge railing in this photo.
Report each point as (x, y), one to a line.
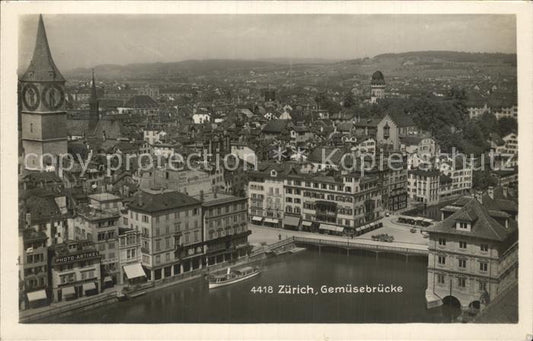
(364, 246)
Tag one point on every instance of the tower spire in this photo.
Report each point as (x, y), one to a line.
(93, 89)
(94, 113)
(42, 66)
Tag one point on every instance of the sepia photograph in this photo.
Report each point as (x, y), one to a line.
(266, 168)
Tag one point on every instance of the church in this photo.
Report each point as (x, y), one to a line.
(42, 105)
(45, 125)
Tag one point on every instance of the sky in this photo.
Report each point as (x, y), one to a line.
(90, 40)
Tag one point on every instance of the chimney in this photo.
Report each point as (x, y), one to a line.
(479, 196)
(140, 199)
(490, 192)
(28, 220)
(202, 195)
(215, 189)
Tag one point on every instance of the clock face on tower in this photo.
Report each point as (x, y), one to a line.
(53, 97)
(30, 97)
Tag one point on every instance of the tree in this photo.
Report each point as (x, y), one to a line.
(507, 125)
(482, 180)
(488, 124)
(348, 100)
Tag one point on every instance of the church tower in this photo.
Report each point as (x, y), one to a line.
(94, 111)
(43, 115)
(377, 87)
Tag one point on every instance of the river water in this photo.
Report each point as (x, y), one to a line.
(193, 302)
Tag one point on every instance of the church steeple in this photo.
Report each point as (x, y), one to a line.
(94, 113)
(42, 67)
(93, 90)
(43, 114)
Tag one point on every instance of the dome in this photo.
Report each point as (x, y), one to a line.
(377, 78)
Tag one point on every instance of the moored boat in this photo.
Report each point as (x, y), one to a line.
(233, 276)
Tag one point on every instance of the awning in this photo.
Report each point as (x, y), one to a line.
(306, 223)
(257, 219)
(37, 295)
(134, 271)
(331, 228)
(89, 286)
(108, 279)
(272, 221)
(292, 221)
(68, 291)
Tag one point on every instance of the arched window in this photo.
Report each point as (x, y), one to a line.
(386, 131)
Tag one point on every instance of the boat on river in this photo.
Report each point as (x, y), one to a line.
(232, 276)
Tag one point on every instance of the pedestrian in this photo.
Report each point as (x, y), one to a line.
(279, 236)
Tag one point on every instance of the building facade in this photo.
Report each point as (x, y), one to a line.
(171, 232)
(313, 202)
(34, 265)
(225, 227)
(473, 255)
(75, 270)
(423, 186)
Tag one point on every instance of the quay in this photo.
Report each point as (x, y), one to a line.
(110, 296)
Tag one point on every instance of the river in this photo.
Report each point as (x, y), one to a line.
(193, 302)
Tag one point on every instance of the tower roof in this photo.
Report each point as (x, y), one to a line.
(42, 66)
(378, 78)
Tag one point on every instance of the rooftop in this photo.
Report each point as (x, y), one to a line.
(483, 225)
(104, 197)
(212, 199)
(156, 202)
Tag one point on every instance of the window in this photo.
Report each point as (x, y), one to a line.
(463, 226)
(462, 263)
(442, 241)
(442, 260)
(462, 245)
(462, 282)
(483, 266)
(440, 279)
(482, 286)
(484, 247)
(157, 259)
(157, 244)
(145, 218)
